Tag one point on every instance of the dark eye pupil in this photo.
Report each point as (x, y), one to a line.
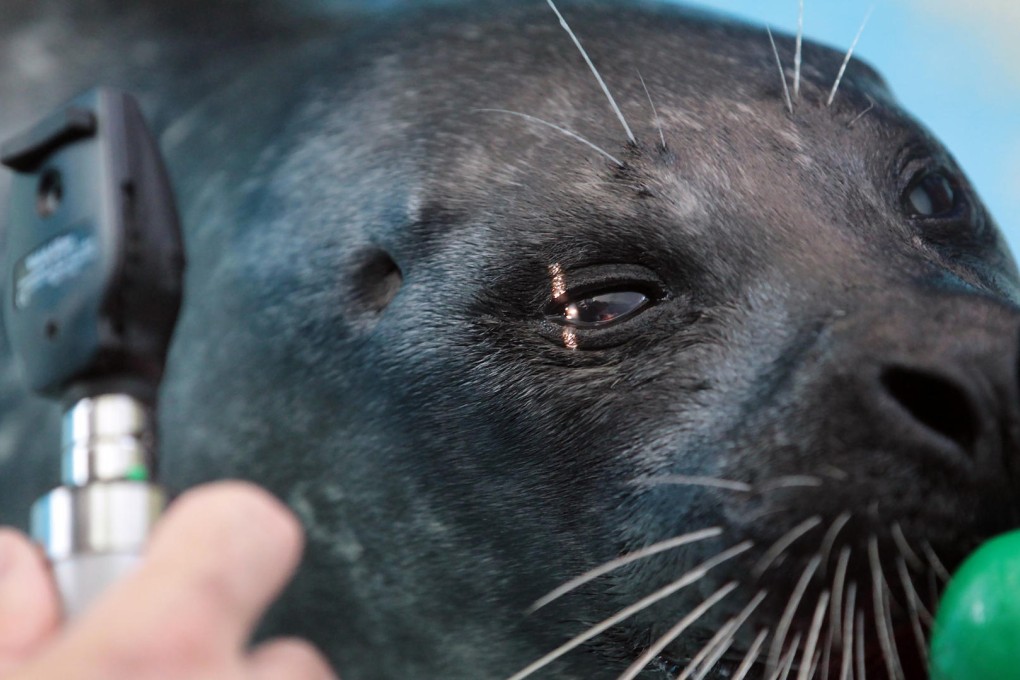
(599, 310)
(932, 196)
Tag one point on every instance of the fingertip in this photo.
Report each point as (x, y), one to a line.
(291, 658)
(29, 605)
(238, 505)
(10, 541)
(219, 556)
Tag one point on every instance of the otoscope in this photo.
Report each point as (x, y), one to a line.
(93, 281)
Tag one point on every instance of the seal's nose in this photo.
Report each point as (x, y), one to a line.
(937, 384)
(939, 404)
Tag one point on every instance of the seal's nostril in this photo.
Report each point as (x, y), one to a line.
(936, 402)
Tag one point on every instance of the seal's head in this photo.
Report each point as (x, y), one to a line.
(485, 339)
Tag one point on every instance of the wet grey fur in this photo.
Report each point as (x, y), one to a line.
(451, 459)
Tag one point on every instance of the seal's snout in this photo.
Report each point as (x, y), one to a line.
(910, 391)
(909, 436)
(908, 415)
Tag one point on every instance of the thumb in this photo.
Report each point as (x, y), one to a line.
(216, 560)
(29, 605)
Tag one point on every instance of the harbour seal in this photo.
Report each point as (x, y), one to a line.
(487, 328)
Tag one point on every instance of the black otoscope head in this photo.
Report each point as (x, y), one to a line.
(94, 259)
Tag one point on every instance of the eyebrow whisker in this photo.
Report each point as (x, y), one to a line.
(558, 128)
(658, 123)
(871, 105)
(591, 65)
(849, 55)
(782, 74)
(798, 54)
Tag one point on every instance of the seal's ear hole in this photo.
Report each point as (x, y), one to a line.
(377, 279)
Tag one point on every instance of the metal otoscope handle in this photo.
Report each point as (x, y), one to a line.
(93, 281)
(95, 525)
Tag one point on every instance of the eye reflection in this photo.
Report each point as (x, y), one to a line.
(587, 309)
(559, 291)
(605, 308)
(932, 196)
(569, 338)
(559, 281)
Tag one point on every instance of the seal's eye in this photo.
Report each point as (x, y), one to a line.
(932, 194)
(597, 311)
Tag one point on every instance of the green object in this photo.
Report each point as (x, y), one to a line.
(137, 473)
(977, 629)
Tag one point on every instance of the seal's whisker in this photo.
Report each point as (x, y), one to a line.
(808, 660)
(798, 53)
(900, 539)
(784, 542)
(849, 55)
(871, 105)
(569, 133)
(753, 652)
(676, 631)
(705, 659)
(848, 632)
(912, 608)
(782, 74)
(913, 598)
(791, 608)
(692, 576)
(830, 537)
(888, 624)
(827, 656)
(713, 658)
(933, 591)
(654, 549)
(835, 472)
(595, 71)
(786, 663)
(693, 480)
(788, 482)
(720, 642)
(935, 562)
(883, 618)
(814, 663)
(859, 647)
(836, 608)
(655, 114)
(838, 580)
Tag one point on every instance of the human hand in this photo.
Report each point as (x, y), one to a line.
(217, 559)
